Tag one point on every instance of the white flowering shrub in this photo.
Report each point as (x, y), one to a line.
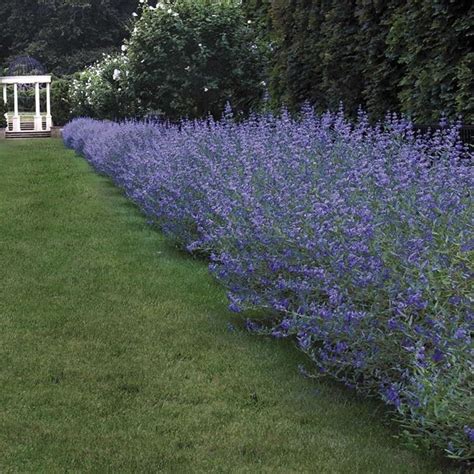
(183, 59)
(188, 58)
(103, 90)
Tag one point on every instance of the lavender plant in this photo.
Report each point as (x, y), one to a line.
(355, 240)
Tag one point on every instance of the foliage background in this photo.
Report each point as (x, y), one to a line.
(411, 57)
(383, 55)
(3, 122)
(65, 35)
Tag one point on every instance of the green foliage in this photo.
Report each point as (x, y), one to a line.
(431, 42)
(315, 47)
(60, 101)
(258, 12)
(412, 57)
(65, 35)
(380, 72)
(3, 111)
(188, 58)
(296, 67)
(103, 90)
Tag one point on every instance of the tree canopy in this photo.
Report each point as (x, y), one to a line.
(65, 35)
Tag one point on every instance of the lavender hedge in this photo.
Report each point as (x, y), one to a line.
(356, 240)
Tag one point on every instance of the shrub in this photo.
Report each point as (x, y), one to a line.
(188, 58)
(60, 102)
(3, 111)
(102, 90)
(354, 239)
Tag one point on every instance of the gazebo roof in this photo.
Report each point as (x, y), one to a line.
(25, 70)
(25, 66)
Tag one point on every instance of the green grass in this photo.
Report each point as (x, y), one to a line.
(116, 356)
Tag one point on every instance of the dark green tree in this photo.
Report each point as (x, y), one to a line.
(65, 35)
(342, 63)
(60, 101)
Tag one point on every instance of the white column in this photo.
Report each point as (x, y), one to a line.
(49, 120)
(38, 121)
(16, 117)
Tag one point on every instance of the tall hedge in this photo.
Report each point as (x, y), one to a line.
(412, 57)
(432, 41)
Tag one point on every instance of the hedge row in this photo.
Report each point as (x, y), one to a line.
(354, 241)
(410, 57)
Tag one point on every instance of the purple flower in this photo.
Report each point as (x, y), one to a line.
(278, 334)
(234, 307)
(286, 324)
(417, 300)
(251, 326)
(460, 333)
(304, 341)
(469, 432)
(392, 324)
(391, 395)
(437, 355)
(455, 300)
(341, 346)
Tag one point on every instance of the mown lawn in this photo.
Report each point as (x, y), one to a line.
(116, 355)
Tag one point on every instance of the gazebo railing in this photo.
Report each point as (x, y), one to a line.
(27, 122)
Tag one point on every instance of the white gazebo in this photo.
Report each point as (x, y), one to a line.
(27, 124)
